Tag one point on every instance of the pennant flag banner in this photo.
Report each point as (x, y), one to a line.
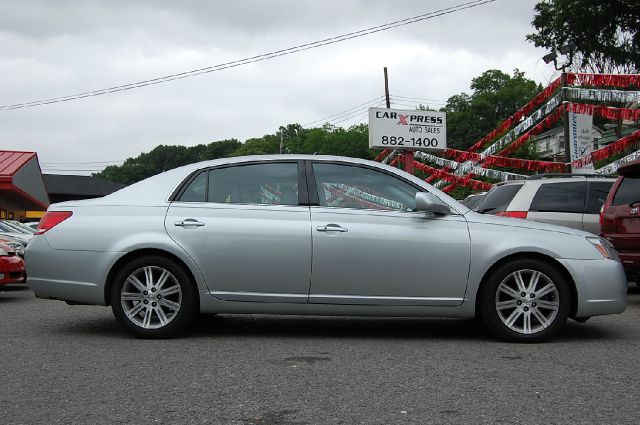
(605, 112)
(457, 168)
(604, 80)
(599, 95)
(613, 167)
(382, 155)
(543, 125)
(484, 172)
(614, 148)
(515, 118)
(474, 184)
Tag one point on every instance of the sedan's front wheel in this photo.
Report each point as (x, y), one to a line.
(525, 301)
(152, 297)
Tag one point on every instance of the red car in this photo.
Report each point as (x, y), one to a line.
(11, 266)
(620, 218)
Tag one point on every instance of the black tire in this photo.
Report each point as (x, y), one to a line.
(143, 315)
(498, 307)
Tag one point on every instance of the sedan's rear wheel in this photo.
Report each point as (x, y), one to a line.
(152, 297)
(526, 301)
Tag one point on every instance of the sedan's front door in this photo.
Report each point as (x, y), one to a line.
(246, 231)
(371, 247)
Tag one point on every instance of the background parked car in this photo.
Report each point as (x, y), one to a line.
(620, 218)
(563, 199)
(20, 227)
(473, 199)
(32, 224)
(11, 266)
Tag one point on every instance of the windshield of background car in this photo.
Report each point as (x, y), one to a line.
(628, 191)
(560, 197)
(498, 199)
(346, 186)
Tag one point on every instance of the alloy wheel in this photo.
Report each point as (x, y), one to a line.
(151, 297)
(527, 301)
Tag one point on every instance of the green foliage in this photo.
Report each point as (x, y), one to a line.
(606, 33)
(495, 97)
(328, 140)
(163, 158)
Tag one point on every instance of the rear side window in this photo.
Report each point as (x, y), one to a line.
(498, 199)
(265, 184)
(197, 189)
(628, 191)
(598, 192)
(560, 197)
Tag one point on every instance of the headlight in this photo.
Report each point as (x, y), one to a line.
(602, 245)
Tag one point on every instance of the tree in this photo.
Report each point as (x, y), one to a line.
(606, 33)
(163, 158)
(328, 140)
(496, 96)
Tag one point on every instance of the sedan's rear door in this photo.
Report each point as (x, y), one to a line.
(247, 231)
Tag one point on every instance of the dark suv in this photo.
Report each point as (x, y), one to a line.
(620, 217)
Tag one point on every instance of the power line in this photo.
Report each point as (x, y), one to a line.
(322, 120)
(82, 163)
(357, 113)
(257, 58)
(419, 98)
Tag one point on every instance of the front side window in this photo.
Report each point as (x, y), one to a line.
(349, 186)
(265, 184)
(560, 197)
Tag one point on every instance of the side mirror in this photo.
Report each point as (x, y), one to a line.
(428, 202)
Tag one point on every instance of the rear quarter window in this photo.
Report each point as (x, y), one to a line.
(597, 195)
(628, 191)
(498, 199)
(560, 197)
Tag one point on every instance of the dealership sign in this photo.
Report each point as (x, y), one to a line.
(412, 129)
(581, 140)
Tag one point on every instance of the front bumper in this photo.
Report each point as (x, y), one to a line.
(11, 270)
(601, 286)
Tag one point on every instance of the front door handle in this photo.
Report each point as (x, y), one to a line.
(189, 222)
(332, 228)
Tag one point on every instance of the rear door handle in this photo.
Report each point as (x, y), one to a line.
(332, 228)
(189, 222)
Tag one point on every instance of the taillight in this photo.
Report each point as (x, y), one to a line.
(601, 221)
(513, 214)
(51, 220)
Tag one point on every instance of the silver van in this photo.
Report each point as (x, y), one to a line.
(571, 200)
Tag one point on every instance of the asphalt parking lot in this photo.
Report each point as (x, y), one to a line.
(65, 364)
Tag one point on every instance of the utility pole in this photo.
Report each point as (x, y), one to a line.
(408, 154)
(281, 131)
(565, 118)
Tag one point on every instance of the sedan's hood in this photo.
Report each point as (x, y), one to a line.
(474, 217)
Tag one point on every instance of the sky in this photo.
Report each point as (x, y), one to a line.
(50, 49)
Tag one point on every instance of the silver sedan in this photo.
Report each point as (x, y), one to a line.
(315, 235)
